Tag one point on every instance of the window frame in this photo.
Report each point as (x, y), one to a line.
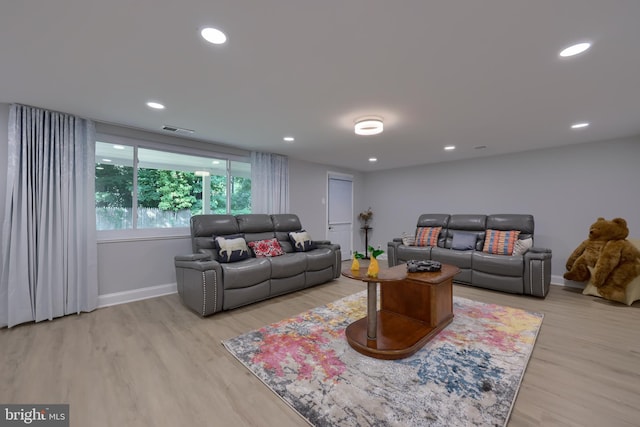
(137, 234)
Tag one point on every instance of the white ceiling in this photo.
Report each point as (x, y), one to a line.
(456, 72)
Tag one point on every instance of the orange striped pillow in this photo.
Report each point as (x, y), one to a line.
(427, 236)
(500, 242)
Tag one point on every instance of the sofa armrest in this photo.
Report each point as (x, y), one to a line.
(337, 263)
(537, 271)
(392, 251)
(192, 257)
(199, 281)
(536, 250)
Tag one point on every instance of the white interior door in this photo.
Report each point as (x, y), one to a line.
(340, 213)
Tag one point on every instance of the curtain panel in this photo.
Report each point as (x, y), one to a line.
(269, 183)
(48, 258)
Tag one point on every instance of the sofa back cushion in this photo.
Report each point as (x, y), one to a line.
(283, 224)
(467, 224)
(434, 220)
(256, 227)
(205, 227)
(521, 222)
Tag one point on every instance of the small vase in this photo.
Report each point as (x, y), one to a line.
(374, 268)
(355, 265)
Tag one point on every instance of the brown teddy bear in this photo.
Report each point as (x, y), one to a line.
(617, 261)
(587, 254)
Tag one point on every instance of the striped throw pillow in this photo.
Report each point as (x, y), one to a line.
(427, 236)
(500, 242)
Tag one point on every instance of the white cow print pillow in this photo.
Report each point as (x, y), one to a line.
(231, 248)
(301, 241)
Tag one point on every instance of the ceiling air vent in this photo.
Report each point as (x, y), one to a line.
(176, 129)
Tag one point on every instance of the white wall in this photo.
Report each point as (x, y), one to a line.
(566, 189)
(308, 184)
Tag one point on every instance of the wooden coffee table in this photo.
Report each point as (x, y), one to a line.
(414, 307)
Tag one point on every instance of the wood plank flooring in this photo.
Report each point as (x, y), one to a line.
(155, 363)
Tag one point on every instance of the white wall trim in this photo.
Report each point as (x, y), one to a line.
(560, 281)
(136, 295)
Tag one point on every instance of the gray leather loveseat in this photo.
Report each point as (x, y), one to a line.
(461, 241)
(223, 276)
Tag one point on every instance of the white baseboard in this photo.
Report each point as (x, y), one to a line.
(561, 281)
(136, 295)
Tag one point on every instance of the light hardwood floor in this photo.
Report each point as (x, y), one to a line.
(154, 363)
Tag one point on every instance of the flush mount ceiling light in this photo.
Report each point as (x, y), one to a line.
(289, 138)
(450, 147)
(579, 125)
(369, 126)
(155, 105)
(213, 35)
(373, 159)
(575, 49)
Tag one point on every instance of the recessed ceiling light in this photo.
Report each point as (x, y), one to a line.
(450, 147)
(155, 105)
(369, 126)
(213, 35)
(575, 49)
(373, 159)
(289, 138)
(579, 125)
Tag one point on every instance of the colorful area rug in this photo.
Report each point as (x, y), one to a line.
(469, 374)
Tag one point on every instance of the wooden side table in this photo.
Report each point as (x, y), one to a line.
(414, 307)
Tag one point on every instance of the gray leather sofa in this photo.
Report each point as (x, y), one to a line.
(207, 285)
(529, 273)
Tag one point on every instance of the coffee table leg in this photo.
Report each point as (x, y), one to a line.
(372, 310)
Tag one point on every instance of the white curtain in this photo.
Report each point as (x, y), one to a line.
(48, 260)
(269, 183)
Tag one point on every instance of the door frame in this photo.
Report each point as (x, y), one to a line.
(346, 177)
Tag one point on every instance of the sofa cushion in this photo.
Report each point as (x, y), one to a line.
(231, 248)
(301, 241)
(500, 242)
(461, 259)
(427, 236)
(205, 226)
(320, 258)
(288, 265)
(464, 223)
(463, 241)
(499, 265)
(406, 253)
(266, 248)
(248, 272)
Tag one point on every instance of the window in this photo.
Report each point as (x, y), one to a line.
(166, 188)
